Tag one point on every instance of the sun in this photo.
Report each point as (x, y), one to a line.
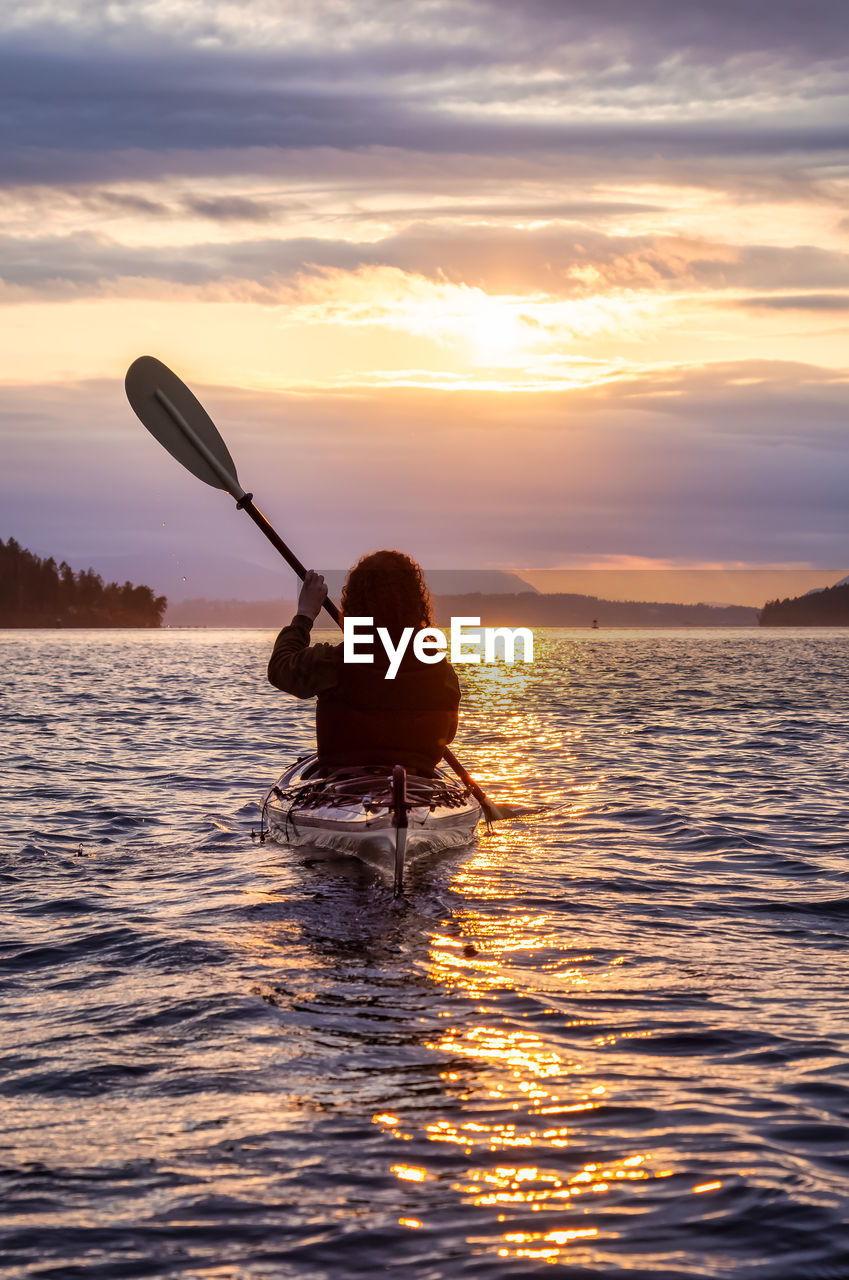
(495, 331)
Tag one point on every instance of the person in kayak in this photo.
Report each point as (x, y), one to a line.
(361, 717)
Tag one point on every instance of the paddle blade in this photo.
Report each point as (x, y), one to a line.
(521, 810)
(171, 413)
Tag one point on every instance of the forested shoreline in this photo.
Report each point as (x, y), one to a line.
(827, 608)
(39, 593)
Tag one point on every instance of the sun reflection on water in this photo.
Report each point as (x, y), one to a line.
(512, 728)
(528, 1092)
(521, 1127)
(524, 1093)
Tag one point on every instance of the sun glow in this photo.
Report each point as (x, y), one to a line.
(498, 336)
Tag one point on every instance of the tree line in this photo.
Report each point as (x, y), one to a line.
(40, 593)
(827, 608)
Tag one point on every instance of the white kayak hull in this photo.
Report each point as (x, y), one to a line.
(349, 812)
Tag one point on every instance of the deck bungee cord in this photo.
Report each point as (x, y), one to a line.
(374, 813)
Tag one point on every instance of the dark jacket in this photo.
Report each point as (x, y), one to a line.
(363, 718)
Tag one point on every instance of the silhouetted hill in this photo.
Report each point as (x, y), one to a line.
(231, 613)
(523, 609)
(446, 582)
(40, 593)
(569, 610)
(828, 608)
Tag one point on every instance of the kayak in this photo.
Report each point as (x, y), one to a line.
(375, 813)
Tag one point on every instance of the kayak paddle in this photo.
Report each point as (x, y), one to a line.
(177, 419)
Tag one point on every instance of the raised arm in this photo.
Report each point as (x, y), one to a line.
(295, 666)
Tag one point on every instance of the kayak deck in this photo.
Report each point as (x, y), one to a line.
(350, 811)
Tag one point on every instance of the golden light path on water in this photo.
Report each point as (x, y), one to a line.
(610, 1035)
(527, 1094)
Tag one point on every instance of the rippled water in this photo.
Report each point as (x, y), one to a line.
(610, 1037)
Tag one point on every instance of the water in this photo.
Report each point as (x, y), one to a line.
(611, 1037)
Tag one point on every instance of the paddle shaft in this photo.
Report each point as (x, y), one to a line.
(490, 809)
(247, 504)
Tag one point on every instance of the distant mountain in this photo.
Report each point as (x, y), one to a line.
(230, 613)
(827, 608)
(569, 610)
(449, 581)
(522, 609)
(193, 575)
(815, 591)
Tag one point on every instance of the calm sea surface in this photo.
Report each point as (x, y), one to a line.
(612, 1037)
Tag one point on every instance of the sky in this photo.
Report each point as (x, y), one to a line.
(543, 286)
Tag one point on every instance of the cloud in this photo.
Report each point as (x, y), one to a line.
(229, 208)
(795, 302)
(765, 403)
(324, 145)
(86, 264)
(125, 202)
(744, 462)
(706, 31)
(555, 260)
(443, 33)
(606, 84)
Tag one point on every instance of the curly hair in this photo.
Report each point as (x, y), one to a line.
(389, 587)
